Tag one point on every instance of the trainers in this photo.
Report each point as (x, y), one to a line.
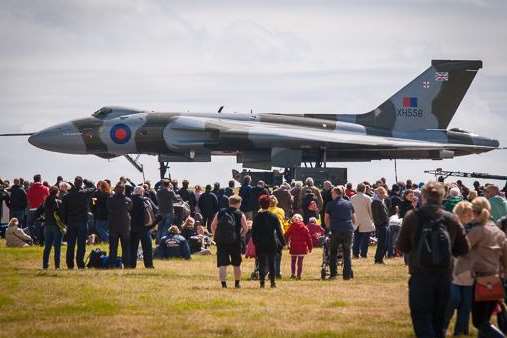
(273, 285)
(298, 278)
(332, 277)
(292, 277)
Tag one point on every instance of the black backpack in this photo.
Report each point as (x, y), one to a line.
(95, 259)
(226, 232)
(433, 249)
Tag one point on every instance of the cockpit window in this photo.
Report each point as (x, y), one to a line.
(102, 112)
(107, 113)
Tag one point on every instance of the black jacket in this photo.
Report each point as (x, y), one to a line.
(188, 196)
(405, 206)
(208, 204)
(139, 205)
(48, 208)
(380, 213)
(75, 205)
(100, 207)
(267, 233)
(17, 199)
(118, 212)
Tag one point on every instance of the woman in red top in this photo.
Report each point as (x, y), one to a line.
(300, 244)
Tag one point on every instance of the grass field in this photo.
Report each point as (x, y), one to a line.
(183, 299)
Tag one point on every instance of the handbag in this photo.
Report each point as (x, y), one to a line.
(488, 288)
(250, 249)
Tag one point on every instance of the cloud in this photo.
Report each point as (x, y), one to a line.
(61, 60)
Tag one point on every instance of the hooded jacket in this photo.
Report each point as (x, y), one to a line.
(300, 241)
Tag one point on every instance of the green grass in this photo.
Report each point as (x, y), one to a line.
(183, 299)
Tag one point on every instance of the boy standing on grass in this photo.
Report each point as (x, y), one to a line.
(228, 225)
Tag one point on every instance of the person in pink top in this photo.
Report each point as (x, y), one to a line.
(300, 244)
(316, 231)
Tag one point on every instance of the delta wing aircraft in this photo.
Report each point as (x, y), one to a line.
(411, 124)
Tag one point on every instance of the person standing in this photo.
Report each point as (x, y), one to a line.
(430, 276)
(228, 225)
(52, 232)
(18, 202)
(75, 207)
(380, 213)
(208, 204)
(326, 197)
(284, 198)
(280, 214)
(139, 230)
(245, 192)
(36, 195)
(340, 219)
(118, 217)
(488, 256)
(300, 244)
(365, 226)
(187, 195)
(268, 238)
(498, 203)
(99, 210)
(462, 289)
(166, 197)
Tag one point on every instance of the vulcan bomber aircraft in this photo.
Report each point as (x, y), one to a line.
(411, 124)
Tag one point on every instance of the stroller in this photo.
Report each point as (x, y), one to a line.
(325, 242)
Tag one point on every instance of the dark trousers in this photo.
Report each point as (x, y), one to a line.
(123, 238)
(381, 243)
(145, 239)
(269, 260)
(360, 246)
(53, 237)
(428, 296)
(207, 220)
(461, 299)
(481, 315)
(343, 239)
(278, 262)
(76, 233)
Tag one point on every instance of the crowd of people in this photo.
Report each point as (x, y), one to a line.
(451, 236)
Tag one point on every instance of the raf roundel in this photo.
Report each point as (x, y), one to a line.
(120, 133)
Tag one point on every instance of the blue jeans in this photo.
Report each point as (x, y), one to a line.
(381, 243)
(360, 246)
(461, 299)
(53, 237)
(392, 238)
(428, 295)
(163, 226)
(101, 227)
(76, 233)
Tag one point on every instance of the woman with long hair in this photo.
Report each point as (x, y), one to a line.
(489, 258)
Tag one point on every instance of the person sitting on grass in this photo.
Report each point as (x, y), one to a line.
(15, 237)
(173, 245)
(300, 244)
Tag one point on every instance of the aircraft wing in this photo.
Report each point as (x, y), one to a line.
(264, 134)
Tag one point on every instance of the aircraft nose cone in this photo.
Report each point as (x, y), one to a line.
(63, 138)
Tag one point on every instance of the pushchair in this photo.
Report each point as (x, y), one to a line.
(325, 242)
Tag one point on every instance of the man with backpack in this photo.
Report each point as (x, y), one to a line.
(431, 236)
(228, 226)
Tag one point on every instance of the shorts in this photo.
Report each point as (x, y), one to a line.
(229, 254)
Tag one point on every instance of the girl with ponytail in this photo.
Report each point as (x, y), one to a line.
(488, 253)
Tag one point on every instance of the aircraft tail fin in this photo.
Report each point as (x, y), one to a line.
(428, 102)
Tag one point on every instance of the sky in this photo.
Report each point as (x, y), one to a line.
(61, 60)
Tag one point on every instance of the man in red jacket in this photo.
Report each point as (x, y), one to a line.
(36, 195)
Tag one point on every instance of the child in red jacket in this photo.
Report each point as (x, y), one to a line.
(300, 244)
